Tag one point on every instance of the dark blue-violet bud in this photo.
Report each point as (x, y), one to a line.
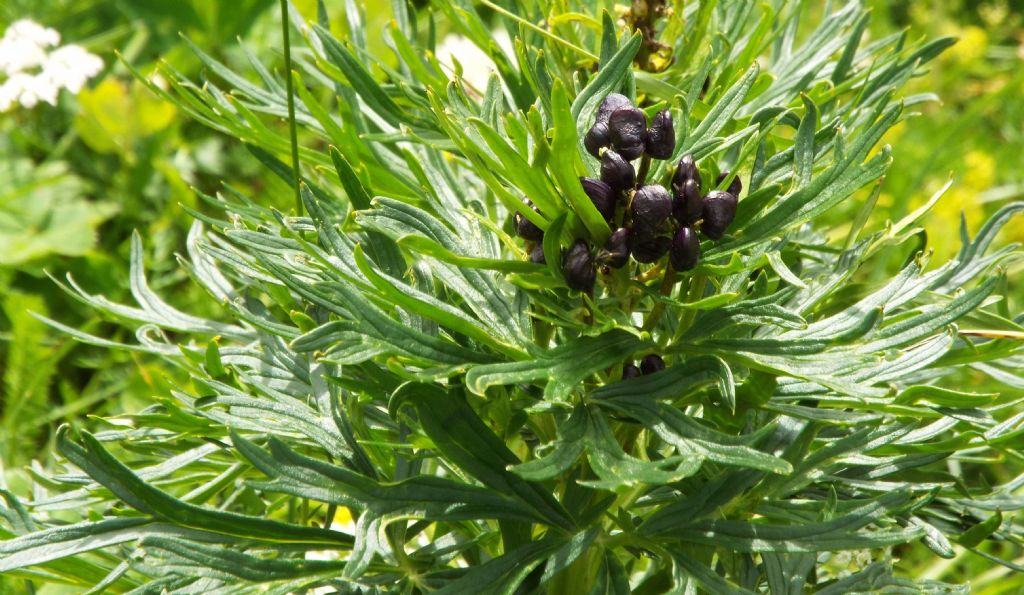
(648, 249)
(616, 250)
(602, 195)
(687, 203)
(652, 363)
(735, 186)
(684, 254)
(537, 253)
(578, 267)
(661, 136)
(627, 127)
(686, 170)
(525, 228)
(611, 102)
(597, 138)
(617, 172)
(718, 211)
(651, 206)
(630, 371)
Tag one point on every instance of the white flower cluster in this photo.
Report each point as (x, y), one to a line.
(33, 72)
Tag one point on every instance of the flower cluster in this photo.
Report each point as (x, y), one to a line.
(649, 221)
(36, 74)
(648, 365)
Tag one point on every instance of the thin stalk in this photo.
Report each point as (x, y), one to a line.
(645, 168)
(697, 284)
(659, 308)
(292, 128)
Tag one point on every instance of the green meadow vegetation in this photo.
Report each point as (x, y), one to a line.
(309, 297)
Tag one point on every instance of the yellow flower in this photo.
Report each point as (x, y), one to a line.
(976, 176)
(970, 47)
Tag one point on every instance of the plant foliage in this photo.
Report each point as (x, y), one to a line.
(391, 355)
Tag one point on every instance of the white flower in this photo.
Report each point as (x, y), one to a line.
(35, 75)
(27, 30)
(477, 66)
(70, 67)
(23, 46)
(28, 90)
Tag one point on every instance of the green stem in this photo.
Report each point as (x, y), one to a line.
(659, 308)
(292, 128)
(697, 285)
(645, 168)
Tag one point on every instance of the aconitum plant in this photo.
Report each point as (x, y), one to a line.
(621, 321)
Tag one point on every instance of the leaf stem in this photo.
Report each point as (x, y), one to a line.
(292, 127)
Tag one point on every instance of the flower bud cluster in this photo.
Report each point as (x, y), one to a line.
(649, 221)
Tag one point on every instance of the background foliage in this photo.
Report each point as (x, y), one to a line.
(86, 174)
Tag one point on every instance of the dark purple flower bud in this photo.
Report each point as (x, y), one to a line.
(652, 363)
(687, 203)
(616, 250)
(661, 136)
(602, 195)
(578, 267)
(686, 170)
(597, 138)
(627, 127)
(718, 212)
(648, 249)
(630, 371)
(617, 172)
(651, 206)
(611, 102)
(685, 251)
(735, 187)
(525, 228)
(537, 254)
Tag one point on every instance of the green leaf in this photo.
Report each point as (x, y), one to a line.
(460, 434)
(563, 368)
(115, 476)
(980, 532)
(567, 166)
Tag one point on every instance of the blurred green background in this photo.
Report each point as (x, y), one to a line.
(77, 178)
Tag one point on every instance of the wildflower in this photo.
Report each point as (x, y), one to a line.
(686, 170)
(35, 75)
(735, 186)
(70, 67)
(616, 250)
(647, 249)
(525, 228)
(602, 195)
(597, 138)
(578, 267)
(684, 252)
(599, 135)
(718, 211)
(651, 206)
(652, 363)
(687, 202)
(627, 129)
(616, 171)
(661, 136)
(24, 44)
